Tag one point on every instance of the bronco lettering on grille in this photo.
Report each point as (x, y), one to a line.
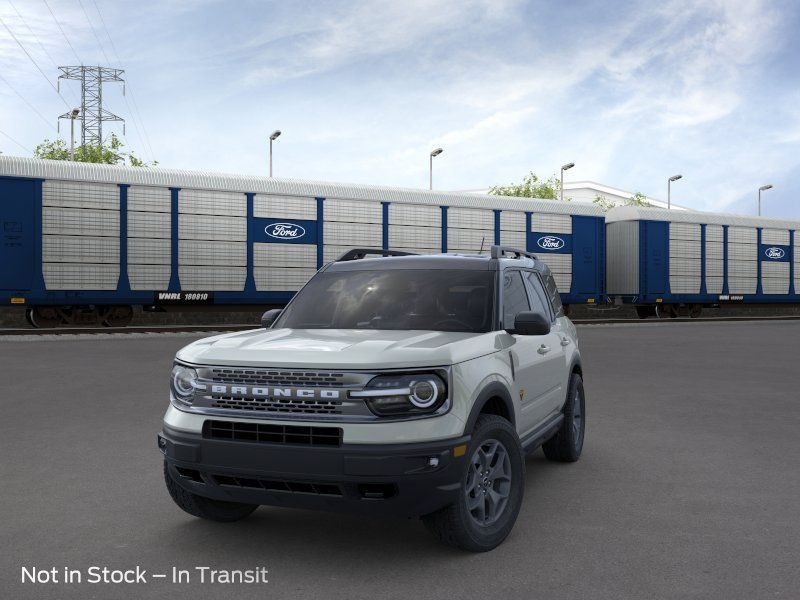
(277, 392)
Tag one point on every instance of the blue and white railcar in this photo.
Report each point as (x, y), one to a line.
(669, 262)
(87, 241)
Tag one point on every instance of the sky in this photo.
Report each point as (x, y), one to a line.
(631, 92)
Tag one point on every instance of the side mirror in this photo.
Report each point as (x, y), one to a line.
(269, 317)
(531, 323)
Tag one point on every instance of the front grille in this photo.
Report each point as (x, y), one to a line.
(275, 377)
(272, 485)
(273, 434)
(280, 405)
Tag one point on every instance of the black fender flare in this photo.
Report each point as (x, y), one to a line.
(495, 389)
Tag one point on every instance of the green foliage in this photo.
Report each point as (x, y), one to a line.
(531, 187)
(111, 153)
(638, 199)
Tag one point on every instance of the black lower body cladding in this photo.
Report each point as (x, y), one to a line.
(407, 480)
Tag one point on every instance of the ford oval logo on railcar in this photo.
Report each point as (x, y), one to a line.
(285, 231)
(775, 253)
(550, 242)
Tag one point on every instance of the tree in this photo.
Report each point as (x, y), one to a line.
(638, 199)
(531, 187)
(111, 153)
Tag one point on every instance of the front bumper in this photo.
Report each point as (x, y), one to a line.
(399, 479)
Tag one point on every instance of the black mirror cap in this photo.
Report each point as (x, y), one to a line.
(531, 323)
(269, 317)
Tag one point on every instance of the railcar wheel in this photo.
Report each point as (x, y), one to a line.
(645, 311)
(117, 316)
(695, 311)
(43, 317)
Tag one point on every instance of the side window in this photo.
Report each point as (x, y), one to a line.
(515, 298)
(552, 293)
(539, 302)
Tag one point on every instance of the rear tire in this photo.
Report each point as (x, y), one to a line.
(205, 508)
(566, 445)
(491, 490)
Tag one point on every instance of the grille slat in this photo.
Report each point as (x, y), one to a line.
(269, 404)
(273, 434)
(289, 487)
(276, 378)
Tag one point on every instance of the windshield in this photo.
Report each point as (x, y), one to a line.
(438, 300)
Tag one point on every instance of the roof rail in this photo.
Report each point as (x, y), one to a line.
(507, 252)
(359, 253)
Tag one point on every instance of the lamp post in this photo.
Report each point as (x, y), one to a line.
(669, 189)
(72, 116)
(565, 167)
(763, 188)
(436, 152)
(272, 138)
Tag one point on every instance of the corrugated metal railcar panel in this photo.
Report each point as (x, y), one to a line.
(470, 218)
(715, 267)
(281, 280)
(684, 284)
(622, 257)
(561, 266)
(210, 279)
(512, 220)
(714, 233)
(714, 285)
(414, 214)
(285, 255)
(515, 239)
(714, 250)
(80, 249)
(636, 213)
(193, 252)
(149, 199)
(742, 285)
(149, 225)
(354, 234)
(80, 276)
(775, 276)
(423, 250)
(797, 261)
(143, 251)
(775, 236)
(742, 235)
(469, 240)
(80, 194)
(149, 277)
(205, 202)
(353, 211)
(684, 231)
(549, 223)
(77, 221)
(284, 207)
(684, 266)
(684, 249)
(207, 227)
(743, 252)
(413, 236)
(742, 268)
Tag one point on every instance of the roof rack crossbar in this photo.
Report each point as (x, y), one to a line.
(359, 253)
(508, 251)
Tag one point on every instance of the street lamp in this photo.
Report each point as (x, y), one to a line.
(565, 167)
(72, 116)
(272, 138)
(669, 189)
(763, 188)
(436, 152)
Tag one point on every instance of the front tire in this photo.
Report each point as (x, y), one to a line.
(566, 445)
(205, 508)
(491, 490)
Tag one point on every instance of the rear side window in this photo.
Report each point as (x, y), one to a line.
(552, 293)
(539, 301)
(515, 298)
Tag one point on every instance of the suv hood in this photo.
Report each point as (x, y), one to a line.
(340, 348)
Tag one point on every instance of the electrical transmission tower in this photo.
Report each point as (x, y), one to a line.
(92, 112)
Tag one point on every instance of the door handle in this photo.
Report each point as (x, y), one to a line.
(565, 341)
(543, 349)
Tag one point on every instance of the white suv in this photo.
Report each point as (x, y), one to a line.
(397, 385)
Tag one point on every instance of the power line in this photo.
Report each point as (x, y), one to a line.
(25, 100)
(97, 37)
(137, 116)
(16, 142)
(36, 37)
(61, 29)
(55, 89)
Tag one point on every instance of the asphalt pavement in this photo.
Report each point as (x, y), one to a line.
(689, 484)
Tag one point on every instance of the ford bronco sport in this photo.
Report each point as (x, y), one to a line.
(393, 385)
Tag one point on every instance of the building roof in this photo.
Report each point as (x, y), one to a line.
(636, 213)
(155, 176)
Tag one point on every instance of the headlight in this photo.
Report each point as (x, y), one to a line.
(406, 394)
(183, 383)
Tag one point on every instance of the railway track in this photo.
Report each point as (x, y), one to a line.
(226, 327)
